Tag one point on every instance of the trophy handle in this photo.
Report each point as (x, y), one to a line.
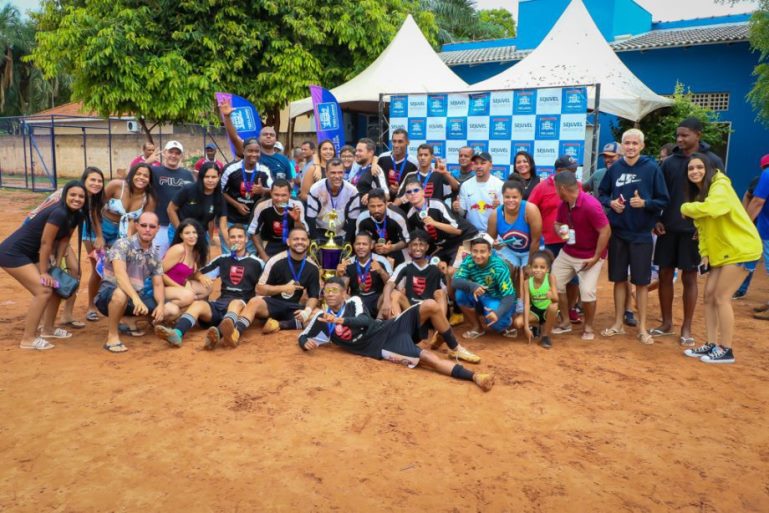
(312, 251)
(346, 251)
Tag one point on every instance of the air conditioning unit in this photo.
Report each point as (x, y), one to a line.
(133, 126)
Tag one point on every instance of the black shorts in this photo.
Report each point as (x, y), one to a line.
(407, 322)
(104, 297)
(280, 309)
(677, 250)
(218, 311)
(370, 301)
(12, 260)
(538, 313)
(448, 251)
(636, 255)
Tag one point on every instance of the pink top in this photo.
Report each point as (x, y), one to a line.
(586, 219)
(139, 159)
(545, 196)
(180, 273)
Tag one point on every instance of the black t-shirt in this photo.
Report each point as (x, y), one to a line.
(356, 334)
(167, 183)
(278, 271)
(269, 224)
(396, 173)
(26, 239)
(234, 184)
(419, 283)
(438, 211)
(192, 206)
(365, 180)
(436, 185)
(393, 227)
(367, 282)
(528, 186)
(239, 275)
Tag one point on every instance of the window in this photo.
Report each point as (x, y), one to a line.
(717, 102)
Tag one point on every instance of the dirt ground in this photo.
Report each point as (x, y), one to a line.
(604, 426)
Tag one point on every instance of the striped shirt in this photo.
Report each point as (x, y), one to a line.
(495, 275)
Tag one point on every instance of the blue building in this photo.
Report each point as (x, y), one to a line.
(710, 56)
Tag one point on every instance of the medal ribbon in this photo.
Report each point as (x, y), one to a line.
(403, 166)
(330, 325)
(296, 275)
(364, 271)
(381, 230)
(247, 184)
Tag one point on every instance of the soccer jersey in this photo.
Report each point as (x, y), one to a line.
(240, 184)
(365, 181)
(363, 280)
(239, 275)
(282, 269)
(435, 184)
(392, 228)
(438, 211)
(476, 199)
(495, 276)
(396, 171)
(321, 203)
(273, 227)
(419, 283)
(355, 334)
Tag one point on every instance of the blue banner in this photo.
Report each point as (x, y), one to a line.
(328, 117)
(244, 117)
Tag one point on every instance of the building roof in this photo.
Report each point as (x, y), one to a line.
(670, 38)
(72, 109)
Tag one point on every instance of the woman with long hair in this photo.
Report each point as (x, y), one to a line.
(30, 252)
(325, 152)
(202, 201)
(184, 283)
(729, 246)
(526, 171)
(125, 201)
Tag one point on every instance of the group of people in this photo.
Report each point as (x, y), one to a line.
(431, 248)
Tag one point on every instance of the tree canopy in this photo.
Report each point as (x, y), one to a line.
(759, 41)
(458, 20)
(163, 60)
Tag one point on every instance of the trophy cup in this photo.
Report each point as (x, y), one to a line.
(330, 254)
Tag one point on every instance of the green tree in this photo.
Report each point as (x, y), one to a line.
(759, 41)
(498, 23)
(458, 20)
(659, 127)
(162, 60)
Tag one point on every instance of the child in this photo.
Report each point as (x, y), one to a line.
(540, 298)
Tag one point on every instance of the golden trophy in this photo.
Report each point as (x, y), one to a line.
(330, 254)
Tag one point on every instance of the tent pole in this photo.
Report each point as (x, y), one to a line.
(381, 122)
(594, 156)
(291, 128)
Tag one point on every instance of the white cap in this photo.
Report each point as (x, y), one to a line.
(174, 145)
(279, 146)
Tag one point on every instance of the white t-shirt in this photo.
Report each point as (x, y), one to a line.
(476, 199)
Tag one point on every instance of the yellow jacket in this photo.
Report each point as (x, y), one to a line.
(726, 233)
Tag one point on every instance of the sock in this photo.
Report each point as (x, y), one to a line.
(242, 324)
(185, 324)
(450, 339)
(459, 372)
(291, 324)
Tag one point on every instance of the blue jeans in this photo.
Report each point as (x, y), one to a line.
(480, 305)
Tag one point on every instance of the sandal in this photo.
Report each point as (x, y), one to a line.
(57, 333)
(645, 338)
(75, 325)
(125, 329)
(92, 316)
(117, 347)
(686, 341)
(588, 335)
(610, 332)
(472, 334)
(40, 344)
(656, 332)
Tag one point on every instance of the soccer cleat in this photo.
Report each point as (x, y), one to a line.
(230, 334)
(460, 353)
(484, 380)
(456, 319)
(271, 326)
(212, 338)
(170, 335)
(719, 355)
(699, 352)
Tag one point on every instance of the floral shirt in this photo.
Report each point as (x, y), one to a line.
(140, 263)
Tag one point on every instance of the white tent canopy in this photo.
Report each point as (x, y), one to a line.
(408, 65)
(575, 53)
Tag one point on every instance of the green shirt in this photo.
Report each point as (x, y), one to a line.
(495, 275)
(538, 296)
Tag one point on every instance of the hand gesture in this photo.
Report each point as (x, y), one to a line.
(617, 205)
(636, 201)
(481, 290)
(293, 213)
(341, 269)
(440, 166)
(491, 316)
(225, 106)
(376, 266)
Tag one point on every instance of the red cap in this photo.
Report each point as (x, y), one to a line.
(765, 161)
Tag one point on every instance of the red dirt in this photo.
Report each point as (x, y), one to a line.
(610, 425)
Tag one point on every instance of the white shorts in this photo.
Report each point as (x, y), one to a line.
(566, 267)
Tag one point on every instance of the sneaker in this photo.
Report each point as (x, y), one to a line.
(212, 338)
(545, 342)
(456, 319)
(630, 319)
(170, 335)
(484, 380)
(699, 352)
(535, 331)
(271, 326)
(574, 317)
(719, 355)
(230, 335)
(463, 354)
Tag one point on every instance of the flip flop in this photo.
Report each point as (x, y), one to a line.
(610, 332)
(656, 332)
(75, 325)
(472, 334)
(125, 329)
(588, 335)
(57, 333)
(92, 316)
(686, 341)
(39, 344)
(645, 338)
(117, 347)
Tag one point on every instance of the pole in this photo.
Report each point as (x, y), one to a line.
(381, 122)
(53, 154)
(596, 103)
(24, 127)
(85, 148)
(109, 145)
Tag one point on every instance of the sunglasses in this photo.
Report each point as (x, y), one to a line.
(147, 225)
(412, 191)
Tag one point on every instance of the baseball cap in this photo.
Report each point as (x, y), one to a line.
(765, 161)
(566, 162)
(210, 146)
(170, 145)
(612, 148)
(485, 155)
(482, 236)
(279, 146)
